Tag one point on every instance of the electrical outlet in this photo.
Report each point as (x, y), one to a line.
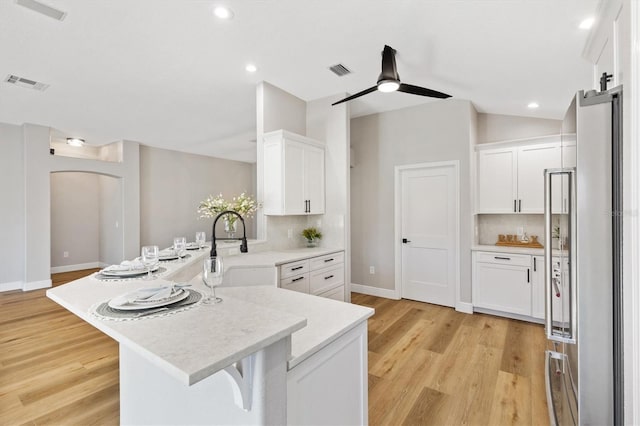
(290, 233)
(372, 270)
(65, 254)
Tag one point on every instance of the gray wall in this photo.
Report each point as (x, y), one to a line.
(75, 217)
(172, 184)
(437, 131)
(497, 127)
(12, 223)
(111, 243)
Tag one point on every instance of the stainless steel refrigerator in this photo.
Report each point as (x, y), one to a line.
(583, 265)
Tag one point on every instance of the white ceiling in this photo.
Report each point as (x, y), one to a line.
(166, 73)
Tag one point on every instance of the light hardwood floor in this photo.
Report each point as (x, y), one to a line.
(431, 365)
(427, 365)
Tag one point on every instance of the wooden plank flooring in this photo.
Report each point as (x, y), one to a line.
(431, 365)
(55, 369)
(427, 365)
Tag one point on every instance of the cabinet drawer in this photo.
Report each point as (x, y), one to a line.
(296, 283)
(335, 294)
(327, 260)
(326, 279)
(294, 268)
(504, 258)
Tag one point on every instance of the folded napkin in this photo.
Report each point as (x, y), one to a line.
(167, 252)
(163, 291)
(127, 265)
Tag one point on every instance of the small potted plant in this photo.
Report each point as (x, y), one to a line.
(312, 235)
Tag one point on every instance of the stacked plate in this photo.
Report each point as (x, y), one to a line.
(126, 271)
(169, 254)
(147, 298)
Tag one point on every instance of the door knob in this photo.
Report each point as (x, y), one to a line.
(405, 241)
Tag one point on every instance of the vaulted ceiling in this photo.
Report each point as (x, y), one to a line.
(167, 73)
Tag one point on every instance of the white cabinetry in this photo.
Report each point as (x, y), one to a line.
(502, 282)
(293, 174)
(321, 276)
(510, 178)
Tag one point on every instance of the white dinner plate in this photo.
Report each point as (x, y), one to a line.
(172, 256)
(193, 246)
(178, 295)
(127, 273)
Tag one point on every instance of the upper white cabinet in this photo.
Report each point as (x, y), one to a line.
(511, 177)
(293, 174)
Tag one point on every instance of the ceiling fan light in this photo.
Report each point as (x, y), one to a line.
(388, 86)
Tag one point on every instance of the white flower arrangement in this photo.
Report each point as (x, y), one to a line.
(244, 205)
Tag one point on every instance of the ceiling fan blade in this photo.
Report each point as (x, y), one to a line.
(357, 95)
(389, 70)
(422, 91)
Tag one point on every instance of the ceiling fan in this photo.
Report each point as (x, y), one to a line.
(389, 81)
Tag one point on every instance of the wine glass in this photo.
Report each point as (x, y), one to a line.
(150, 256)
(180, 245)
(201, 237)
(212, 273)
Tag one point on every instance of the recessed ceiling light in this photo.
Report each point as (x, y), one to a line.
(251, 68)
(223, 12)
(533, 105)
(586, 24)
(75, 141)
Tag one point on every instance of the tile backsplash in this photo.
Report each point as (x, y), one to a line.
(491, 225)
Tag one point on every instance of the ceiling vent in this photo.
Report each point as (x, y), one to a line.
(43, 9)
(340, 70)
(25, 82)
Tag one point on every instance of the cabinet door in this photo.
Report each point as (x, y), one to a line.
(532, 160)
(293, 169)
(273, 184)
(504, 288)
(537, 287)
(314, 178)
(496, 180)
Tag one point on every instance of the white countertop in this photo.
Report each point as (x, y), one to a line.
(516, 250)
(275, 257)
(193, 344)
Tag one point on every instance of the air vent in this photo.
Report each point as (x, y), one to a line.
(25, 82)
(340, 70)
(43, 9)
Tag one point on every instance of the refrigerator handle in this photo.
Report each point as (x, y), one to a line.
(567, 335)
(548, 268)
(573, 264)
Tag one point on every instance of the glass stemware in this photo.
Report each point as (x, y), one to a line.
(150, 256)
(201, 237)
(180, 246)
(212, 273)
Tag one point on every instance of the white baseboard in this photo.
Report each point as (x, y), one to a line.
(78, 267)
(374, 291)
(13, 285)
(464, 307)
(36, 285)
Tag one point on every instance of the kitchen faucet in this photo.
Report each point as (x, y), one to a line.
(243, 246)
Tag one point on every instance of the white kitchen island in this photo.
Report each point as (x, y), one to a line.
(263, 356)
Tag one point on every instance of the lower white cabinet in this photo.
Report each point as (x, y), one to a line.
(502, 282)
(508, 283)
(321, 276)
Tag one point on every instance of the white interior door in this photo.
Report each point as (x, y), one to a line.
(429, 223)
